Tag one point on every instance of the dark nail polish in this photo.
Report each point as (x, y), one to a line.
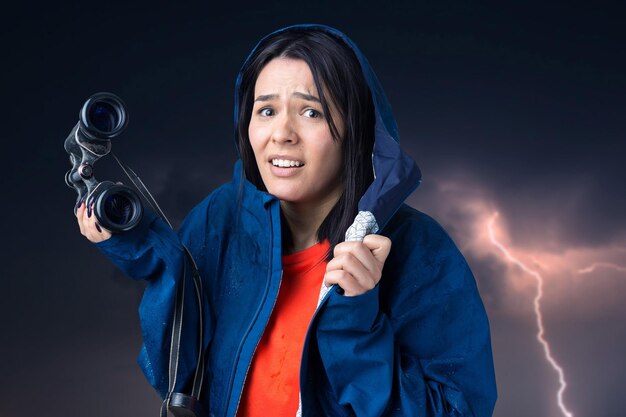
(98, 227)
(88, 211)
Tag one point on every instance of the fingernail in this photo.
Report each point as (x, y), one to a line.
(77, 205)
(98, 227)
(88, 211)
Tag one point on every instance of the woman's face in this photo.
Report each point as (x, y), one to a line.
(297, 157)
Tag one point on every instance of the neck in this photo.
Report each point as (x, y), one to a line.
(304, 220)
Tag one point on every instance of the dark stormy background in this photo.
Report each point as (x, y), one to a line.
(518, 110)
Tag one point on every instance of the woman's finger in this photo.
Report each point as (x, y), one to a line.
(352, 265)
(103, 233)
(350, 286)
(89, 226)
(80, 211)
(97, 233)
(360, 252)
(379, 246)
(357, 266)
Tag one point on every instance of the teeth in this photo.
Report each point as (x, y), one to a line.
(286, 163)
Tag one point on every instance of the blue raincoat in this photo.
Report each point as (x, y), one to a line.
(418, 344)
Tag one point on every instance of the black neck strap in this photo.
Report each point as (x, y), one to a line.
(181, 405)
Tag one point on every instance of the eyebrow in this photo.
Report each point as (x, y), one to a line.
(269, 97)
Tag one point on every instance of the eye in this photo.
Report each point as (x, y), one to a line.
(266, 111)
(312, 113)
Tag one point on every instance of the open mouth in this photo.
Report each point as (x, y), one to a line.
(286, 163)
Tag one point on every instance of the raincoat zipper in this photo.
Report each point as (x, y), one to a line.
(255, 348)
(267, 290)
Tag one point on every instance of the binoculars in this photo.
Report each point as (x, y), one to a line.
(102, 118)
(119, 209)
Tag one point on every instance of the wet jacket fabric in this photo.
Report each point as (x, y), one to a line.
(418, 344)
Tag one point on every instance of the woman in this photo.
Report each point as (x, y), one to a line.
(402, 331)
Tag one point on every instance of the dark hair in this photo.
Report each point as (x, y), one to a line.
(337, 71)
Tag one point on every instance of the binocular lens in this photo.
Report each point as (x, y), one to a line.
(103, 116)
(118, 208)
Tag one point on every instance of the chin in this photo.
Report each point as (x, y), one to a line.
(284, 195)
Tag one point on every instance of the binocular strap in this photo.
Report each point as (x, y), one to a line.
(186, 406)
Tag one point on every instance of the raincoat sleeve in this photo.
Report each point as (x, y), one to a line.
(418, 344)
(153, 252)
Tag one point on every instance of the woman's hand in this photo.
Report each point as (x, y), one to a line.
(357, 266)
(89, 226)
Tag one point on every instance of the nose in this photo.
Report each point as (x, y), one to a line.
(284, 129)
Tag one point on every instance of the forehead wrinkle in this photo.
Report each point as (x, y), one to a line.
(307, 97)
(299, 95)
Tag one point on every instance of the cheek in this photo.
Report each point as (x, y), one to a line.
(331, 160)
(338, 166)
(254, 136)
(333, 154)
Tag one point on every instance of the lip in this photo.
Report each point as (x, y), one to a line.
(284, 172)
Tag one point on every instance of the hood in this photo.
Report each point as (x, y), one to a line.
(396, 175)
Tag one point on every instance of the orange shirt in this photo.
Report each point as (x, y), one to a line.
(273, 382)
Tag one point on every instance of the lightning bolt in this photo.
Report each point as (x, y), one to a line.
(538, 315)
(596, 265)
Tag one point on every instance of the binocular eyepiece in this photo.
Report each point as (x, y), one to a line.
(116, 206)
